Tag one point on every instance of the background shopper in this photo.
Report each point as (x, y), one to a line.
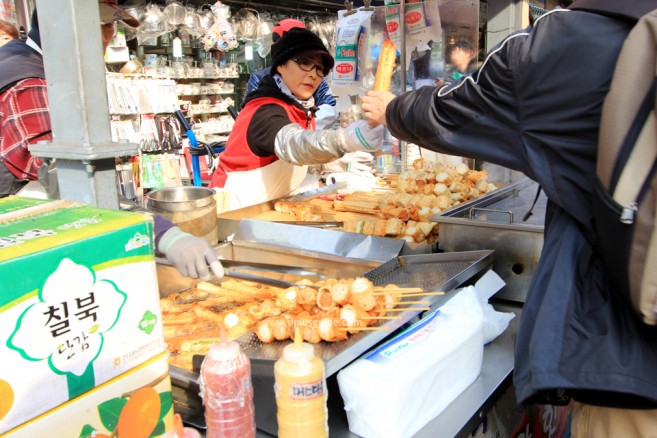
(8, 32)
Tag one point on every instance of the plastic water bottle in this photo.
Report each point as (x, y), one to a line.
(437, 61)
(300, 392)
(227, 391)
(384, 157)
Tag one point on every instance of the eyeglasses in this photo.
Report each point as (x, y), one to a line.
(307, 66)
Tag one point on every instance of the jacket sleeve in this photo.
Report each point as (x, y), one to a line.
(475, 117)
(254, 80)
(299, 146)
(323, 95)
(160, 226)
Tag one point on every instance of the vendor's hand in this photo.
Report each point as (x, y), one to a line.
(360, 136)
(356, 162)
(354, 182)
(191, 255)
(357, 157)
(361, 169)
(374, 105)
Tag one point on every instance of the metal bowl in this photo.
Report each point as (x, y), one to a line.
(180, 198)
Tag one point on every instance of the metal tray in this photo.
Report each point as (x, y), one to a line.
(496, 222)
(431, 272)
(230, 221)
(505, 206)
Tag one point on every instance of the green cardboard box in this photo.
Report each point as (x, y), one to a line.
(79, 302)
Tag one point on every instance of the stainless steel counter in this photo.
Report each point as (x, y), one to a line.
(465, 413)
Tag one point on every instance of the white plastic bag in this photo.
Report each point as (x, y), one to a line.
(399, 387)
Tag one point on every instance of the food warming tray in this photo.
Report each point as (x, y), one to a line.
(498, 222)
(431, 272)
(230, 221)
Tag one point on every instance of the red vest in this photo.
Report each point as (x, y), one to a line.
(238, 156)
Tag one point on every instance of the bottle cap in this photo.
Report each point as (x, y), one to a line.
(224, 349)
(298, 351)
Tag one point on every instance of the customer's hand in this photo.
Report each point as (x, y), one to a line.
(374, 105)
(191, 255)
(360, 136)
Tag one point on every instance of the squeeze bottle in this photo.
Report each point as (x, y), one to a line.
(300, 390)
(227, 391)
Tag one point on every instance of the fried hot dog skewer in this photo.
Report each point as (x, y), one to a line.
(385, 66)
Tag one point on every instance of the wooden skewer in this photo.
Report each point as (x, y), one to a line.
(414, 302)
(396, 290)
(405, 289)
(423, 294)
(412, 294)
(383, 327)
(380, 317)
(404, 309)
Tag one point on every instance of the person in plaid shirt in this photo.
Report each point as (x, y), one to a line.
(24, 115)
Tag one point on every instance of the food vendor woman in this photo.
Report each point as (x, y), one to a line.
(274, 137)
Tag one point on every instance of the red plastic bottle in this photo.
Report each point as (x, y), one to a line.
(227, 392)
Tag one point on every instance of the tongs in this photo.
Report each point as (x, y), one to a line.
(231, 270)
(282, 269)
(315, 224)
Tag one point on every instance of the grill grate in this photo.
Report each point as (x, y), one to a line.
(431, 272)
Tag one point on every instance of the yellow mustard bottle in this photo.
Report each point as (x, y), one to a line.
(300, 388)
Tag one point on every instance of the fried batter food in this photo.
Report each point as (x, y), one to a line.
(322, 311)
(385, 66)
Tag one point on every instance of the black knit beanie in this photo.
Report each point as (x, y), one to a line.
(302, 43)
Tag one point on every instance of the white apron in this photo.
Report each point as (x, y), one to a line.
(274, 181)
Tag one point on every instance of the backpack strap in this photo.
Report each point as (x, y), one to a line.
(625, 199)
(628, 128)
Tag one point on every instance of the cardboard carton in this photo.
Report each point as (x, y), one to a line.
(137, 403)
(79, 303)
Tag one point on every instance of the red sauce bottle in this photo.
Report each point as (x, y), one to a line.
(227, 392)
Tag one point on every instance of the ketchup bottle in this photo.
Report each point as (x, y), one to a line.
(227, 391)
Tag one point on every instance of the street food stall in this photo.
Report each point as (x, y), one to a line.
(264, 241)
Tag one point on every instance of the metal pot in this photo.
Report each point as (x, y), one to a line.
(180, 198)
(193, 209)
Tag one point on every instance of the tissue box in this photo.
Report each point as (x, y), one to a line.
(79, 302)
(396, 389)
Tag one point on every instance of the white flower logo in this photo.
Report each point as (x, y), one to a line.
(66, 326)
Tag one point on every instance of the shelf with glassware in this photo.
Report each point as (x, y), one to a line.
(205, 103)
(141, 110)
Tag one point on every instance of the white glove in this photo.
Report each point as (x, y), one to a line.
(191, 255)
(360, 136)
(359, 163)
(354, 182)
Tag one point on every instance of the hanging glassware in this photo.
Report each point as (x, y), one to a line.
(174, 12)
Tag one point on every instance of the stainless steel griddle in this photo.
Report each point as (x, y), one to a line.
(431, 272)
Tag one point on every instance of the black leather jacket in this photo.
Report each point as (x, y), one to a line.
(535, 106)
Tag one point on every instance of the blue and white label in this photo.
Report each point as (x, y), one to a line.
(406, 340)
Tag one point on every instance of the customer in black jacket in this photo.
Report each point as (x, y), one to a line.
(535, 106)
